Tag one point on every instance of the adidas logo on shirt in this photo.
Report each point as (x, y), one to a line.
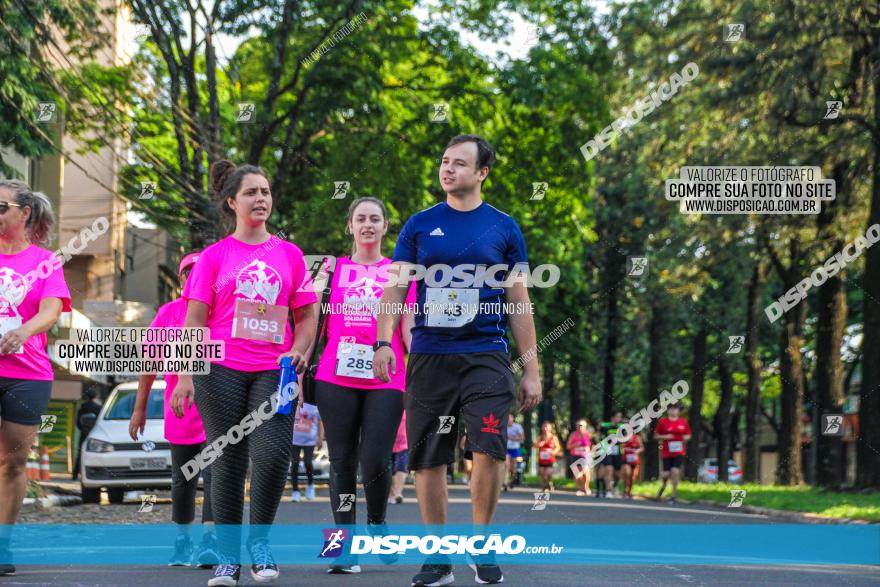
(437, 232)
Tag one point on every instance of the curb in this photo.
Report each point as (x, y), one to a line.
(806, 518)
(802, 517)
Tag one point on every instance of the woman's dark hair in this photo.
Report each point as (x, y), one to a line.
(226, 179)
(42, 219)
(485, 151)
(358, 202)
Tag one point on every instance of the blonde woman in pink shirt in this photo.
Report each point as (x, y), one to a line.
(361, 413)
(243, 289)
(578, 445)
(33, 294)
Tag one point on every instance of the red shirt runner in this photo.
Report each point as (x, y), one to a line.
(678, 428)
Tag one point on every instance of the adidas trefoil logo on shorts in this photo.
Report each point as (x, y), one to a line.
(437, 232)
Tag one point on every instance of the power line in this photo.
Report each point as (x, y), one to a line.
(110, 110)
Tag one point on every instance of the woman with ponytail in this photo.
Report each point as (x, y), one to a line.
(361, 414)
(31, 301)
(242, 289)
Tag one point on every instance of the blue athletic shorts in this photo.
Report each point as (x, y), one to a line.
(401, 464)
(23, 401)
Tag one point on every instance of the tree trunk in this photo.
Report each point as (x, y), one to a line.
(723, 417)
(698, 370)
(574, 394)
(615, 265)
(752, 447)
(829, 374)
(789, 469)
(655, 376)
(867, 452)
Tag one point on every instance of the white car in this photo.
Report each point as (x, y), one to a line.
(112, 461)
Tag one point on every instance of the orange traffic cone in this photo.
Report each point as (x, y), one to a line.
(44, 464)
(33, 466)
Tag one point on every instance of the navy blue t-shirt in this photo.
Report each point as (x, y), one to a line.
(441, 235)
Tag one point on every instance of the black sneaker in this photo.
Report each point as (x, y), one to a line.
(433, 575)
(486, 572)
(345, 569)
(183, 551)
(263, 569)
(7, 569)
(205, 555)
(225, 575)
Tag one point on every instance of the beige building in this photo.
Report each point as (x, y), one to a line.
(84, 187)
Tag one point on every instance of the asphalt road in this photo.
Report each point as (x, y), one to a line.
(515, 508)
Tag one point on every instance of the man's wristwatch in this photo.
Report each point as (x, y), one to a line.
(379, 344)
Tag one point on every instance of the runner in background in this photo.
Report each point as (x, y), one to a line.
(399, 463)
(361, 413)
(243, 289)
(549, 448)
(460, 362)
(609, 466)
(186, 436)
(578, 445)
(308, 437)
(515, 437)
(467, 459)
(675, 433)
(28, 308)
(86, 417)
(632, 450)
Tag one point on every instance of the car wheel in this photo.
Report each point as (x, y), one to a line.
(90, 494)
(116, 494)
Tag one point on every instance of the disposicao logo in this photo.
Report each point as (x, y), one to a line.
(334, 542)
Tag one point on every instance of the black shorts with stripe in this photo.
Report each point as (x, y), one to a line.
(443, 390)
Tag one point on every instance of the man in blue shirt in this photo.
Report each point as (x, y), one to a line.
(464, 255)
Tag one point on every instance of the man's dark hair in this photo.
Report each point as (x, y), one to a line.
(485, 151)
(91, 393)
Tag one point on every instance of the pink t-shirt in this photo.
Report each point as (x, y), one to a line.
(272, 273)
(400, 442)
(352, 319)
(188, 429)
(26, 278)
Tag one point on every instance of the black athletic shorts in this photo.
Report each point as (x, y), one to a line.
(24, 401)
(669, 462)
(615, 461)
(476, 387)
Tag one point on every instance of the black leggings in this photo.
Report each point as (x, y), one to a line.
(224, 397)
(359, 424)
(183, 492)
(308, 453)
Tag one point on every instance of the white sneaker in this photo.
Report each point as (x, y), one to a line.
(310, 492)
(296, 496)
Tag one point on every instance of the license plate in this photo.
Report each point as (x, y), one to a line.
(148, 464)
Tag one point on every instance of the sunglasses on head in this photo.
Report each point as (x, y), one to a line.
(4, 206)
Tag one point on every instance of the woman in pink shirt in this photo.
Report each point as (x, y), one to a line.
(243, 289)
(33, 295)
(187, 438)
(361, 413)
(579, 446)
